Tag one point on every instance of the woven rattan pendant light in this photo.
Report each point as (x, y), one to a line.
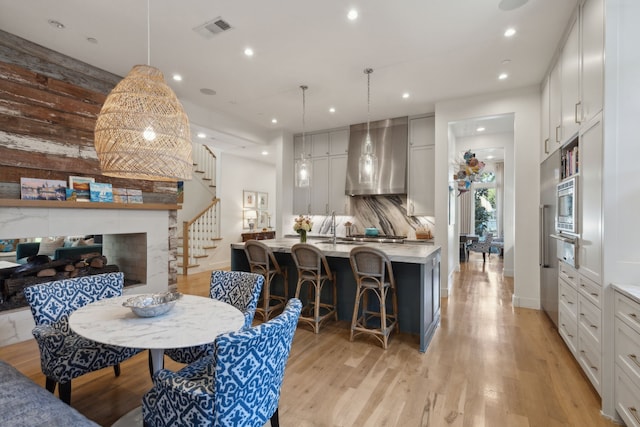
(142, 131)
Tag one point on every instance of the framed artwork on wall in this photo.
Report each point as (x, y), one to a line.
(249, 199)
(263, 201)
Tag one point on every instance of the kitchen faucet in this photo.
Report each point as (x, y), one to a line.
(333, 225)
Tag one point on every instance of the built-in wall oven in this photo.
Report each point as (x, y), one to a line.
(567, 221)
(567, 215)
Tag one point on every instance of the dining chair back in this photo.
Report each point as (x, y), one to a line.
(238, 385)
(65, 355)
(238, 288)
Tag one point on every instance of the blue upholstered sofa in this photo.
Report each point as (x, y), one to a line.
(26, 249)
(25, 403)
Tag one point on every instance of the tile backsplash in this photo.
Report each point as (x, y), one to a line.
(386, 213)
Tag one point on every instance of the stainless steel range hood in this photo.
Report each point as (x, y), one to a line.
(389, 139)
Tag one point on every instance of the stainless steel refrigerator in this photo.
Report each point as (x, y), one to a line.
(548, 260)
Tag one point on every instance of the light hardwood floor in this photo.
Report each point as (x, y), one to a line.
(489, 364)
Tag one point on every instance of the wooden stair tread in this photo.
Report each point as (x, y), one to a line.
(188, 266)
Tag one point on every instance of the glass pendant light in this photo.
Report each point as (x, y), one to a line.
(368, 162)
(303, 165)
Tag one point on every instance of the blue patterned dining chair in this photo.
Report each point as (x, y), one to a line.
(238, 288)
(238, 386)
(65, 355)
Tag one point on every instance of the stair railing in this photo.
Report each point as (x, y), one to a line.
(204, 161)
(199, 234)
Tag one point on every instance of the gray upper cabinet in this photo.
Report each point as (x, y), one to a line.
(421, 162)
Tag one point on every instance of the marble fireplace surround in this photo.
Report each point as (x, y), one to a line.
(136, 226)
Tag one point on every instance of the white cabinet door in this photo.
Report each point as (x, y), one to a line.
(338, 200)
(338, 142)
(590, 201)
(592, 58)
(320, 144)
(421, 132)
(420, 200)
(320, 185)
(421, 174)
(571, 84)
(555, 106)
(545, 146)
(301, 201)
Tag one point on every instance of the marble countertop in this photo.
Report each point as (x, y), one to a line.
(631, 291)
(398, 252)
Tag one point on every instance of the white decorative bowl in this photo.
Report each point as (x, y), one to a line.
(151, 305)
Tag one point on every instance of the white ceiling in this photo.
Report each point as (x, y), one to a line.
(432, 49)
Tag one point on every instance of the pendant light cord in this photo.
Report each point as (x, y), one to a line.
(368, 71)
(148, 34)
(304, 144)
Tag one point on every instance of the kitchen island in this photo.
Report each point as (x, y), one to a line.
(416, 269)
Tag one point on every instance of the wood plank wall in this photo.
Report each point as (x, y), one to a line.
(49, 103)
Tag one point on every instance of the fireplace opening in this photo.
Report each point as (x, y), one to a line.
(95, 255)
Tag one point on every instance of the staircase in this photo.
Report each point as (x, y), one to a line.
(201, 233)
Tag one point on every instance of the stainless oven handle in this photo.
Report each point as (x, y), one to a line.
(565, 238)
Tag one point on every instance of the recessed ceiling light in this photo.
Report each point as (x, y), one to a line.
(405, 95)
(207, 91)
(480, 129)
(332, 110)
(503, 76)
(352, 15)
(510, 32)
(202, 135)
(506, 61)
(56, 24)
(92, 40)
(264, 153)
(248, 51)
(274, 121)
(489, 157)
(177, 77)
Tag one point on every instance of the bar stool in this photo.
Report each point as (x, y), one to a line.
(314, 271)
(374, 275)
(262, 261)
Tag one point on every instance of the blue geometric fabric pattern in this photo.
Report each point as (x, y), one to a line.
(238, 288)
(65, 355)
(239, 385)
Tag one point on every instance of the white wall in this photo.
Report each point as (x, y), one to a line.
(236, 174)
(525, 105)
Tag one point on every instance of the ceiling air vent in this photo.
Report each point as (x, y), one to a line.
(213, 27)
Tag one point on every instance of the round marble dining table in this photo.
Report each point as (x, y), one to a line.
(194, 320)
